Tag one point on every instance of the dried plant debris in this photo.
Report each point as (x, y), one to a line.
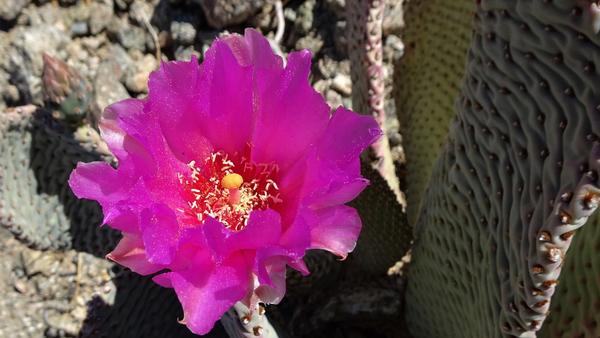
(517, 177)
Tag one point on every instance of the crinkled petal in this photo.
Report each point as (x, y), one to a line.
(116, 119)
(273, 292)
(206, 107)
(130, 253)
(347, 135)
(163, 279)
(160, 233)
(336, 230)
(291, 115)
(330, 174)
(263, 229)
(174, 95)
(253, 49)
(98, 181)
(134, 135)
(206, 291)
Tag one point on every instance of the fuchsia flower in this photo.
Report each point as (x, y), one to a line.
(228, 171)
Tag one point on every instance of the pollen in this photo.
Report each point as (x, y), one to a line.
(228, 190)
(232, 181)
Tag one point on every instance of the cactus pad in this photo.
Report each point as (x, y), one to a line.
(36, 204)
(517, 177)
(427, 81)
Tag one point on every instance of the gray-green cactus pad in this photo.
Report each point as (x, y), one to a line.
(428, 78)
(36, 203)
(517, 176)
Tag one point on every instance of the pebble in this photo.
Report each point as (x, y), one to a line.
(183, 33)
(342, 84)
(21, 286)
(9, 10)
(107, 87)
(100, 17)
(393, 17)
(185, 53)
(224, 13)
(129, 36)
(79, 28)
(138, 81)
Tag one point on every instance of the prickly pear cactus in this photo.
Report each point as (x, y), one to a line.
(36, 204)
(517, 176)
(428, 79)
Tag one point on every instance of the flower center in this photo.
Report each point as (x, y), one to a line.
(228, 191)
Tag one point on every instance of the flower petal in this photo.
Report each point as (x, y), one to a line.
(336, 230)
(174, 96)
(263, 229)
(347, 135)
(163, 279)
(330, 174)
(253, 49)
(130, 253)
(160, 233)
(117, 120)
(291, 115)
(273, 292)
(206, 291)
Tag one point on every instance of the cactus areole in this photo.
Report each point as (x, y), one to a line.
(227, 172)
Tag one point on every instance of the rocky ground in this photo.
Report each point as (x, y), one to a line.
(114, 45)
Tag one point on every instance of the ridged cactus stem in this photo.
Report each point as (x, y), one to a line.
(365, 34)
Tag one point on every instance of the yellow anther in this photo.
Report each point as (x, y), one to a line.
(232, 181)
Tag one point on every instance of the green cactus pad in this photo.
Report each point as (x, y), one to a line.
(517, 176)
(427, 80)
(36, 203)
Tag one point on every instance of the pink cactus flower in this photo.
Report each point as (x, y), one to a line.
(227, 172)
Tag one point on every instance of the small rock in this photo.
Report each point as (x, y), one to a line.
(21, 286)
(393, 17)
(43, 265)
(185, 53)
(79, 28)
(140, 12)
(9, 10)
(265, 20)
(100, 16)
(310, 42)
(342, 84)
(322, 86)
(305, 20)
(138, 81)
(79, 313)
(119, 57)
(393, 48)
(183, 33)
(107, 88)
(129, 36)
(223, 13)
(333, 99)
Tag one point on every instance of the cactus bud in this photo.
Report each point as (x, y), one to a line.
(65, 91)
